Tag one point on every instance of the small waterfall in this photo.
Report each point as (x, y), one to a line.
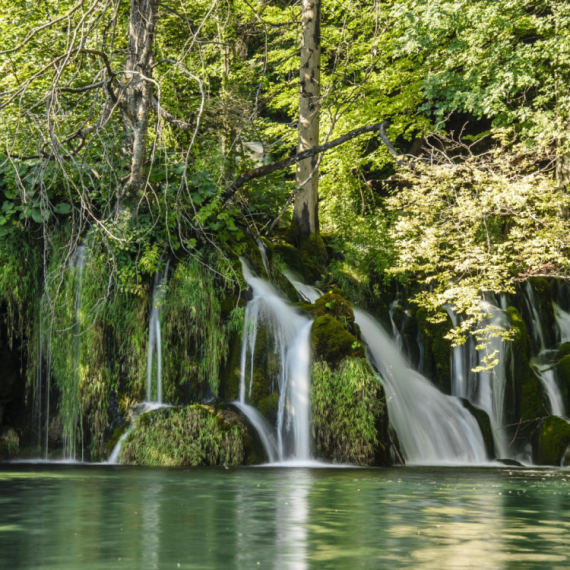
(490, 393)
(544, 368)
(263, 253)
(114, 457)
(71, 404)
(263, 429)
(136, 412)
(562, 323)
(306, 292)
(291, 332)
(536, 329)
(397, 336)
(155, 339)
(432, 428)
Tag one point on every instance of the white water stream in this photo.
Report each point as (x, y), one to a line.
(155, 340)
(291, 332)
(432, 428)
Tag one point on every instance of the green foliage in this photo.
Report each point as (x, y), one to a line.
(194, 435)
(347, 404)
(467, 228)
(197, 337)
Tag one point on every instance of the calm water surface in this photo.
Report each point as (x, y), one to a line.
(102, 517)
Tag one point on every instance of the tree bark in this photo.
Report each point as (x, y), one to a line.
(138, 98)
(306, 212)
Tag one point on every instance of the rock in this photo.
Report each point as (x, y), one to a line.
(193, 435)
(331, 342)
(564, 349)
(484, 425)
(510, 462)
(551, 441)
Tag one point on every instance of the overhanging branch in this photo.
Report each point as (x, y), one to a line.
(286, 162)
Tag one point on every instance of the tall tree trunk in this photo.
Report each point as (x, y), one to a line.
(306, 210)
(137, 101)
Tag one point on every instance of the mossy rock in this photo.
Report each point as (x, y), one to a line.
(551, 441)
(564, 349)
(484, 422)
(437, 350)
(331, 342)
(348, 412)
(193, 435)
(292, 258)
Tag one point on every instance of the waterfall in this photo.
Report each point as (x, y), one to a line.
(263, 253)
(262, 427)
(432, 428)
(545, 372)
(114, 457)
(306, 292)
(397, 336)
(562, 323)
(536, 329)
(291, 334)
(155, 339)
(71, 405)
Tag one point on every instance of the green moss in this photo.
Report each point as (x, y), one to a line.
(564, 349)
(268, 406)
(194, 435)
(331, 342)
(551, 441)
(112, 443)
(484, 425)
(348, 413)
(437, 349)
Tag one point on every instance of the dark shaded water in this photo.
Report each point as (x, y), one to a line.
(95, 517)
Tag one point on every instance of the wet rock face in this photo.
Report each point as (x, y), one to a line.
(551, 441)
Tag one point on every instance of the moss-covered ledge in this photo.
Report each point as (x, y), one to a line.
(348, 412)
(551, 440)
(193, 435)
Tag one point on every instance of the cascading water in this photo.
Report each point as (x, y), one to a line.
(562, 319)
(432, 428)
(291, 333)
(155, 341)
(542, 363)
(71, 405)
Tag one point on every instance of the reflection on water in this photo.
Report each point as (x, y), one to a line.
(72, 517)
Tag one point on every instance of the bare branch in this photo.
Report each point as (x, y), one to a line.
(286, 162)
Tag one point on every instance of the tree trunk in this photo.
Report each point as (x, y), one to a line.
(306, 212)
(138, 96)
